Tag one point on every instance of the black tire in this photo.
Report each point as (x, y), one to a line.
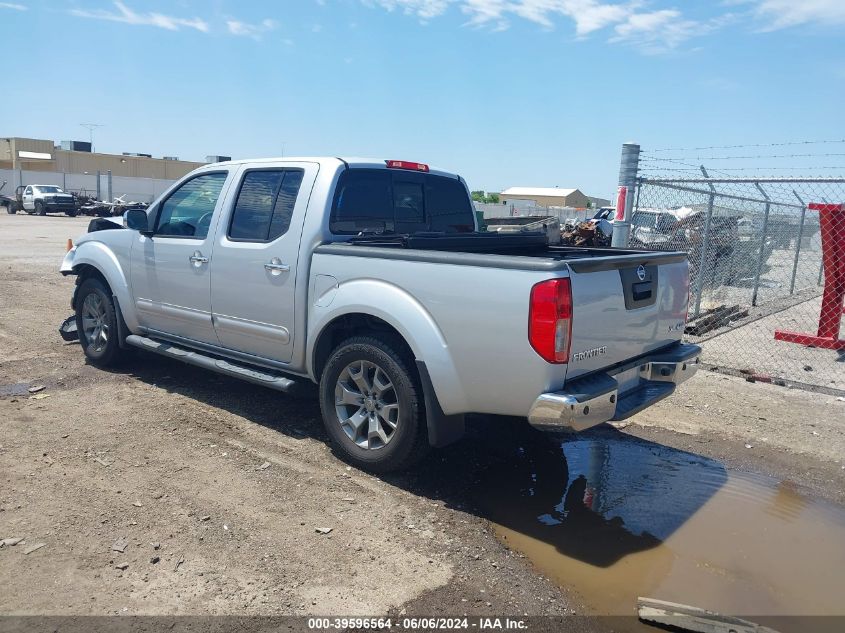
(70, 214)
(39, 208)
(99, 353)
(408, 442)
(11, 209)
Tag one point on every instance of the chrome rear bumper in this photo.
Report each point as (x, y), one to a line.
(617, 393)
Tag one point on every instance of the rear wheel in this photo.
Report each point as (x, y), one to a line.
(39, 208)
(372, 405)
(11, 208)
(96, 323)
(71, 213)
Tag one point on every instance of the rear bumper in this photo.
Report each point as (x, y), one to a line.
(617, 393)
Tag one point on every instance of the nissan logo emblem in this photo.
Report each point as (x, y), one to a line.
(641, 272)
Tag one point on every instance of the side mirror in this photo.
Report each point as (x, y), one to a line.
(136, 219)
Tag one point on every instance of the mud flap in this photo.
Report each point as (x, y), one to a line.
(442, 429)
(67, 330)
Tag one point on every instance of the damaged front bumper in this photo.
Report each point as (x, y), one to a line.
(616, 393)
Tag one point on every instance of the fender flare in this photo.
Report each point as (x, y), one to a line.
(103, 260)
(405, 314)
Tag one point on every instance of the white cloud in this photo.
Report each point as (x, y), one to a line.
(658, 31)
(255, 31)
(127, 16)
(779, 14)
(652, 30)
(424, 9)
(13, 6)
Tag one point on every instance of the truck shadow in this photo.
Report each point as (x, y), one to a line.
(596, 497)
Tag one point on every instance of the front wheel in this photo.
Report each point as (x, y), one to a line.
(96, 323)
(11, 209)
(39, 208)
(372, 405)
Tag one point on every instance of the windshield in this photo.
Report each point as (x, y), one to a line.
(49, 189)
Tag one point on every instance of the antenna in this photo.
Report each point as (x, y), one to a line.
(91, 127)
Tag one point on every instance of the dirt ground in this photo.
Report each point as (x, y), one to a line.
(215, 488)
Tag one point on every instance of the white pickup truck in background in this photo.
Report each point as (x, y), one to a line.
(369, 278)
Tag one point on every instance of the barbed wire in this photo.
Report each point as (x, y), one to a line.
(757, 157)
(783, 144)
(758, 169)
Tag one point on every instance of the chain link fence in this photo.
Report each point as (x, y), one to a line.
(756, 267)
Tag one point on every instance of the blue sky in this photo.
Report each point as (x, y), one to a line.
(505, 92)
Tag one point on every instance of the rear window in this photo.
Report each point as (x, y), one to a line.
(375, 200)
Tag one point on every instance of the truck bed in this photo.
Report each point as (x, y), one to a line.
(521, 251)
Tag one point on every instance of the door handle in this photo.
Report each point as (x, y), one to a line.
(276, 267)
(198, 259)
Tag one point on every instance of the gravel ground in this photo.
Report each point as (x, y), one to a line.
(217, 487)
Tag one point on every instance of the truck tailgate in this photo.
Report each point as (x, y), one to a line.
(624, 307)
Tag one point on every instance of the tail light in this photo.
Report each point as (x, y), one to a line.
(406, 164)
(550, 320)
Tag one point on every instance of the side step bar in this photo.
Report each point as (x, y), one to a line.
(191, 357)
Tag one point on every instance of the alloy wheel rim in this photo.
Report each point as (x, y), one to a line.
(94, 322)
(367, 405)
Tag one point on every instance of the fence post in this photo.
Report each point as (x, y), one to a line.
(628, 167)
(798, 242)
(64, 181)
(702, 264)
(108, 184)
(762, 245)
(705, 243)
(98, 185)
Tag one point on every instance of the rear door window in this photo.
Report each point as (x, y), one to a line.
(264, 205)
(396, 201)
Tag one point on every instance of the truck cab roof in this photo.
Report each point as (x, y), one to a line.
(335, 161)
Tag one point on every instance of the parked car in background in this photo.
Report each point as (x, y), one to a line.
(44, 199)
(7, 201)
(370, 278)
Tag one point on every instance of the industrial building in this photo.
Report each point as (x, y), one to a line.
(76, 157)
(544, 197)
(73, 166)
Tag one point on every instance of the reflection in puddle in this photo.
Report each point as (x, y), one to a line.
(615, 518)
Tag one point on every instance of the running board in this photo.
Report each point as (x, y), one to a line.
(191, 357)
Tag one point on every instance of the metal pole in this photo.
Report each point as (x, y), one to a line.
(798, 242)
(702, 263)
(629, 165)
(762, 245)
(98, 185)
(64, 181)
(108, 181)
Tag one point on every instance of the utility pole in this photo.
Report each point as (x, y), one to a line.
(91, 127)
(628, 168)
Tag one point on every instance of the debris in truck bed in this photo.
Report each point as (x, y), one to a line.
(585, 234)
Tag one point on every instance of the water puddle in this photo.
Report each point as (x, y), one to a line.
(615, 518)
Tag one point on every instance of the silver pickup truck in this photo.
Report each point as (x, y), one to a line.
(371, 279)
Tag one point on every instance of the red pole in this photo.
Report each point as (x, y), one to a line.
(832, 226)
